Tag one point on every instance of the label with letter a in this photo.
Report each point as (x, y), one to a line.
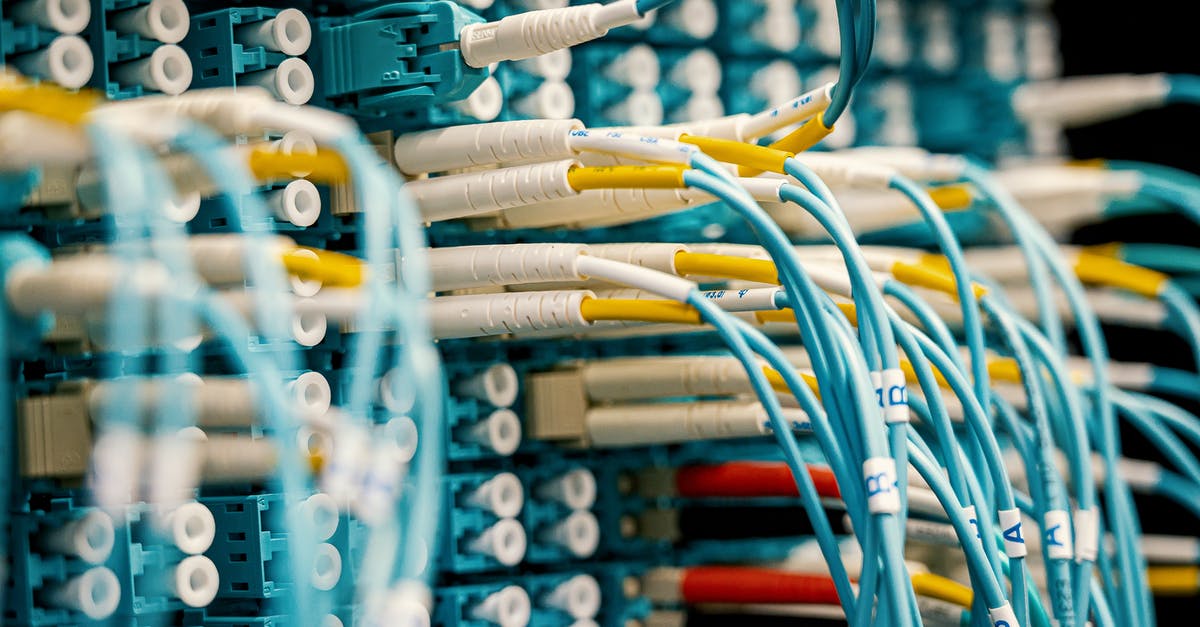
(1057, 531)
(1010, 530)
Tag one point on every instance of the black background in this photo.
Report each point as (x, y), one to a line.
(1140, 37)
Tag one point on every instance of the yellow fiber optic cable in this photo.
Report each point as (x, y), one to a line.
(808, 135)
(46, 99)
(951, 197)
(1174, 580)
(726, 267)
(1094, 164)
(788, 315)
(943, 589)
(330, 268)
(780, 385)
(751, 159)
(626, 176)
(999, 369)
(661, 311)
(932, 277)
(1097, 265)
(324, 166)
(1103, 270)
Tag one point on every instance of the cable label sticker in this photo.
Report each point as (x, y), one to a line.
(1056, 528)
(1087, 535)
(1010, 530)
(972, 517)
(1003, 616)
(891, 393)
(879, 476)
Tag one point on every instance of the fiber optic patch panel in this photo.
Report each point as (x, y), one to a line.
(485, 313)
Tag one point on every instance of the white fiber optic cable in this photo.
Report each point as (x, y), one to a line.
(168, 70)
(505, 541)
(68, 17)
(95, 593)
(195, 581)
(28, 141)
(502, 495)
(499, 432)
(453, 268)
(508, 607)
(288, 32)
(79, 284)
(67, 61)
(791, 112)
(190, 526)
(1082, 100)
(221, 259)
(594, 207)
(642, 378)
(578, 533)
(162, 20)
(475, 193)
(327, 567)
(497, 385)
(299, 203)
(292, 81)
(474, 145)
(535, 33)
(673, 423)
(322, 510)
(578, 596)
(89, 537)
(514, 312)
(575, 489)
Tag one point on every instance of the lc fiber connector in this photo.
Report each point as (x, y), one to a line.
(393, 58)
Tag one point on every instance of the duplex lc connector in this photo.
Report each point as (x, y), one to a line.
(396, 57)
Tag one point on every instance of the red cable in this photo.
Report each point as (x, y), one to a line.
(740, 584)
(750, 479)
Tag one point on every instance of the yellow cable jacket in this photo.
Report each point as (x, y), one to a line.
(663, 311)
(741, 154)
(47, 100)
(323, 166)
(626, 177)
(726, 267)
(951, 197)
(779, 385)
(943, 589)
(787, 315)
(1000, 369)
(1102, 270)
(1173, 580)
(931, 277)
(808, 135)
(330, 268)
(1004, 369)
